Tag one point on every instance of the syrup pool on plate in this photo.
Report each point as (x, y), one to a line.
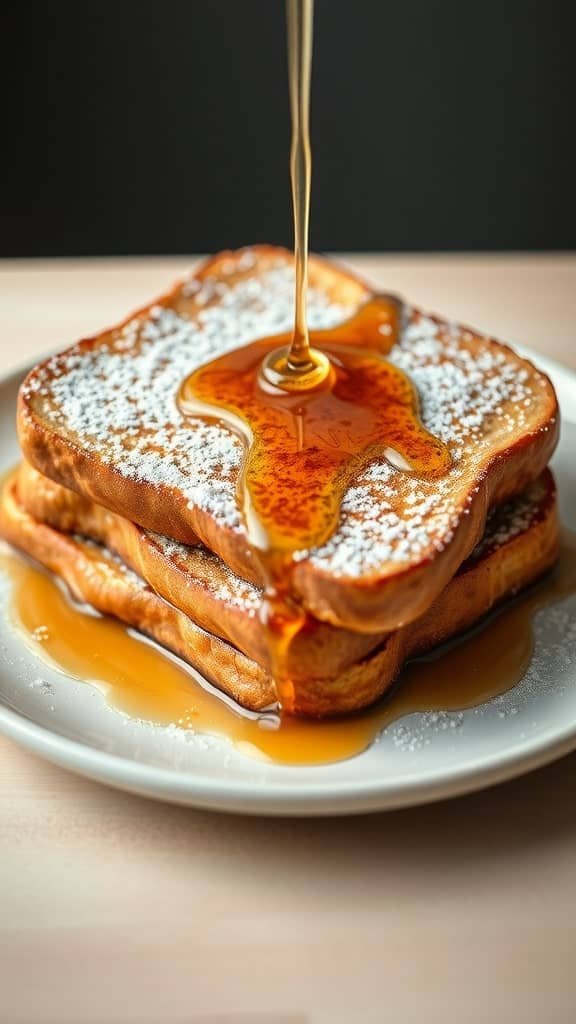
(145, 682)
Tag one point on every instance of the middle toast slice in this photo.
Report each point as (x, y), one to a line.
(197, 583)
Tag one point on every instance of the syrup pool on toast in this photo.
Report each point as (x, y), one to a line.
(313, 410)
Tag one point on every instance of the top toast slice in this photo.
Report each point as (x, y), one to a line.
(101, 419)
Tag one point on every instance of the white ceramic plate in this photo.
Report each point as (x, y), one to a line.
(417, 759)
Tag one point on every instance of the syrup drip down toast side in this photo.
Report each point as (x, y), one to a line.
(520, 543)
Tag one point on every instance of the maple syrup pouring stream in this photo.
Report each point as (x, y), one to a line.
(296, 366)
(299, 24)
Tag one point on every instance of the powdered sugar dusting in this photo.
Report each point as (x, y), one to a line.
(508, 521)
(203, 565)
(119, 401)
(106, 562)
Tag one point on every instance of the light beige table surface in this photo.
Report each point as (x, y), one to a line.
(117, 909)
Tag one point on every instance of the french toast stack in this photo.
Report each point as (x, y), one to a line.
(135, 506)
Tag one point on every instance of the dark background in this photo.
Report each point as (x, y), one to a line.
(163, 127)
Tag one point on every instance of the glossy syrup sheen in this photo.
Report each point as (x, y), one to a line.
(303, 449)
(143, 681)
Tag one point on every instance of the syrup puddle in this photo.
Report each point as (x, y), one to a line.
(143, 681)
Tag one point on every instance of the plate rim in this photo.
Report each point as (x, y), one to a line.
(282, 799)
(328, 797)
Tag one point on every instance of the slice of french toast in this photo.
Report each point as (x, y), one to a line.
(102, 419)
(519, 544)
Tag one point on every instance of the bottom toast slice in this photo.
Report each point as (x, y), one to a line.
(519, 545)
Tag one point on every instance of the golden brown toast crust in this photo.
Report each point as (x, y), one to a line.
(424, 530)
(504, 566)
